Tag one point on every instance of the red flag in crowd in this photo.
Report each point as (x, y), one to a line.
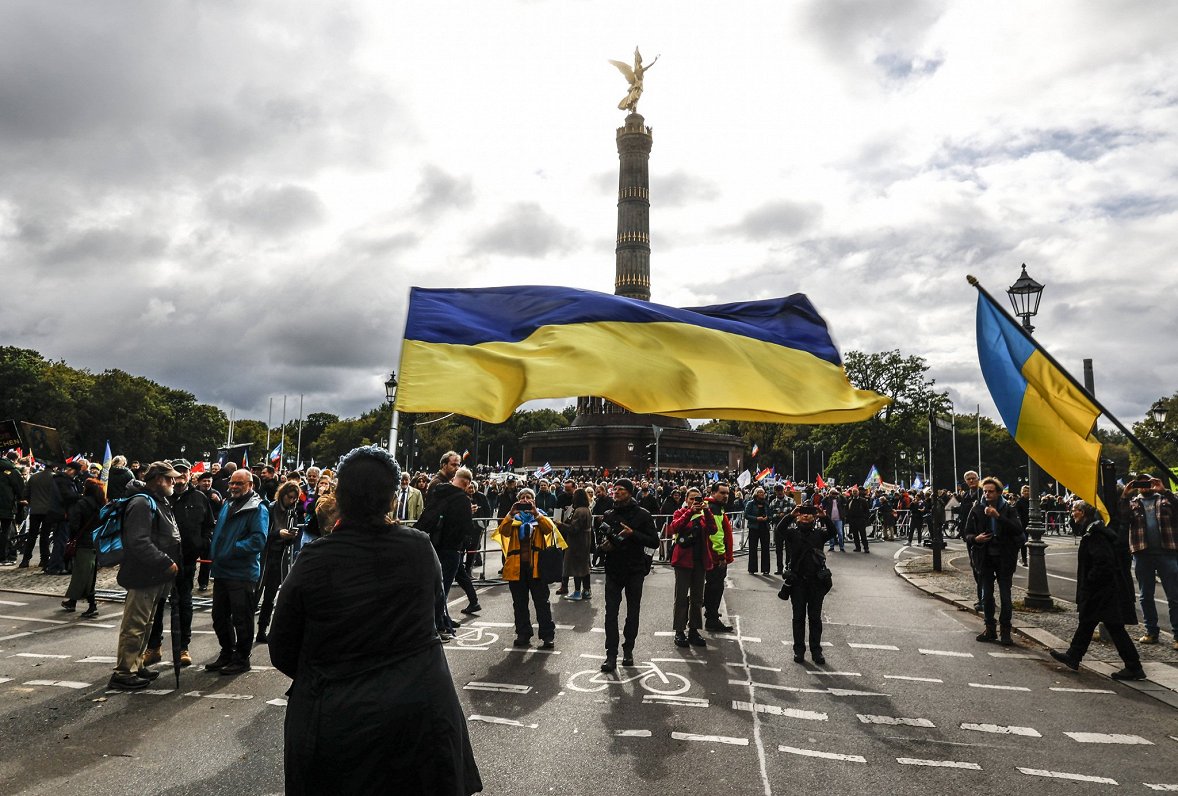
(818, 482)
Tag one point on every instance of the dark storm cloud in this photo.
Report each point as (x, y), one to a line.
(439, 191)
(775, 220)
(277, 209)
(679, 189)
(525, 230)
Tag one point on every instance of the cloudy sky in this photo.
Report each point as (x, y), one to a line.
(234, 198)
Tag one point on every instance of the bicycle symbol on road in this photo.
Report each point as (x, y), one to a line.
(475, 637)
(648, 675)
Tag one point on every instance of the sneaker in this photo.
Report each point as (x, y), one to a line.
(185, 658)
(147, 674)
(522, 642)
(799, 657)
(1130, 673)
(152, 655)
(1066, 660)
(68, 606)
(574, 597)
(696, 640)
(473, 608)
(220, 663)
(585, 595)
(126, 681)
(239, 666)
(89, 613)
(1148, 638)
(627, 658)
(819, 658)
(262, 638)
(548, 645)
(989, 634)
(716, 626)
(680, 639)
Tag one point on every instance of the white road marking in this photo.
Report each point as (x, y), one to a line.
(205, 632)
(913, 679)
(98, 659)
(85, 624)
(481, 623)
(10, 602)
(1038, 772)
(1016, 655)
(60, 683)
(593, 657)
(16, 635)
(1161, 787)
(536, 650)
(669, 699)
(36, 619)
(912, 761)
(148, 691)
(789, 643)
(947, 653)
(218, 695)
(751, 684)
(506, 688)
(597, 630)
(631, 733)
(36, 655)
(1085, 690)
(998, 729)
(762, 758)
(833, 674)
(999, 687)
(846, 692)
(738, 639)
(1101, 737)
(679, 660)
(564, 627)
(278, 702)
(824, 755)
(6, 679)
(689, 736)
(872, 646)
(467, 649)
(774, 710)
(508, 722)
(867, 718)
(754, 666)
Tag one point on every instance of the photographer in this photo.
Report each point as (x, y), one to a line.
(691, 557)
(994, 535)
(1153, 540)
(522, 534)
(806, 530)
(629, 531)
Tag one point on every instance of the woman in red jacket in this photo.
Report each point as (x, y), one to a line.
(692, 557)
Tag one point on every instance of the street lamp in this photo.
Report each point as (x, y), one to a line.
(1024, 297)
(1157, 412)
(390, 395)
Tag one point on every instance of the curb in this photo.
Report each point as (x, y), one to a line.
(1046, 639)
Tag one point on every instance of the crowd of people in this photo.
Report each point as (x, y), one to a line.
(385, 547)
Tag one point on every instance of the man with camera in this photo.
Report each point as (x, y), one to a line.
(629, 531)
(1153, 540)
(805, 531)
(995, 535)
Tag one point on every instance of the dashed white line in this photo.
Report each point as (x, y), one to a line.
(6, 679)
(750, 683)
(913, 761)
(998, 729)
(37, 655)
(37, 619)
(507, 722)
(913, 679)
(16, 635)
(1015, 655)
(739, 665)
(669, 699)
(793, 750)
(631, 733)
(1085, 690)
(10, 602)
(219, 695)
(536, 650)
(690, 736)
(148, 691)
(506, 688)
(1038, 772)
(481, 623)
(1161, 787)
(995, 687)
(1101, 737)
(278, 702)
(855, 646)
(593, 657)
(774, 710)
(947, 653)
(867, 718)
(59, 683)
(98, 659)
(822, 673)
(679, 660)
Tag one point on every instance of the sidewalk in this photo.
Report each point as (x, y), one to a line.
(33, 581)
(1052, 629)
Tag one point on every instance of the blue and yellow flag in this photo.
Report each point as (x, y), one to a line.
(483, 352)
(1050, 418)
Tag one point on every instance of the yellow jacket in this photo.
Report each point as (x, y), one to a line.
(544, 535)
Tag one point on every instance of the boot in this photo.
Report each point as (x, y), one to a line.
(681, 638)
(1004, 636)
(152, 655)
(1130, 672)
(696, 640)
(989, 634)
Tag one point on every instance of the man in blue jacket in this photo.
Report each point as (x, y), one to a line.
(238, 542)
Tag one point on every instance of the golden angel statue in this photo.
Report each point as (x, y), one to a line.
(634, 75)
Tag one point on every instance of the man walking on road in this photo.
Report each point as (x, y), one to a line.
(632, 532)
(858, 512)
(1153, 540)
(151, 552)
(721, 541)
(238, 542)
(994, 533)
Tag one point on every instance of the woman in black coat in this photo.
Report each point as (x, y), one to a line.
(372, 708)
(84, 577)
(1104, 593)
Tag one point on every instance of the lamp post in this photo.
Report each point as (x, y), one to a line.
(390, 395)
(1024, 297)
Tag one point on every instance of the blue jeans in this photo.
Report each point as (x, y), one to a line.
(838, 539)
(1148, 566)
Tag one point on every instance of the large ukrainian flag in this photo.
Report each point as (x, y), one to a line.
(483, 352)
(1050, 418)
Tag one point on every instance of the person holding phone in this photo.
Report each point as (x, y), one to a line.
(995, 535)
(522, 534)
(691, 557)
(1152, 511)
(805, 530)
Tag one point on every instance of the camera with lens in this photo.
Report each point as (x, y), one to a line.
(610, 539)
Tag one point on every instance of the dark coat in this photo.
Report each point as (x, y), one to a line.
(372, 708)
(858, 512)
(1002, 548)
(117, 481)
(1104, 588)
(457, 521)
(12, 489)
(631, 555)
(83, 520)
(151, 542)
(194, 517)
(800, 540)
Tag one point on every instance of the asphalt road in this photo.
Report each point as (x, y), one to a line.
(908, 702)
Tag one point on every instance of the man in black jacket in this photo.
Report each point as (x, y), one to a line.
(858, 512)
(994, 534)
(631, 533)
(195, 519)
(449, 520)
(151, 550)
